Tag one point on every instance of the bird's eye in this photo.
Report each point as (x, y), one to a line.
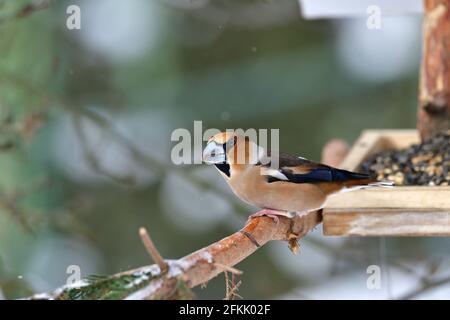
(213, 154)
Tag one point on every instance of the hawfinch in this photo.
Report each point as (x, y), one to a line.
(297, 186)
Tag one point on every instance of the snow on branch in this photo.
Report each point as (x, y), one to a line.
(177, 277)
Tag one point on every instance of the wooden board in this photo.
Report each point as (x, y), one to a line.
(398, 211)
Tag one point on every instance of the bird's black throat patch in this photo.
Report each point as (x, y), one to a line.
(224, 167)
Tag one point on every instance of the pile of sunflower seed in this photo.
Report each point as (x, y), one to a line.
(427, 163)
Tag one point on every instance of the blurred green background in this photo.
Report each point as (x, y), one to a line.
(86, 117)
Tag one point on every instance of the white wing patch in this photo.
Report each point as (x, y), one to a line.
(273, 173)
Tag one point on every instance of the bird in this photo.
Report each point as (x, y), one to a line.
(295, 187)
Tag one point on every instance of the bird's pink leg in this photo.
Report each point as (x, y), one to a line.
(274, 214)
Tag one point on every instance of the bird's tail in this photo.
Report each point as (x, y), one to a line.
(367, 183)
(348, 181)
(363, 180)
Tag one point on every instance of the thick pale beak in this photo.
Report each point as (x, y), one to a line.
(214, 153)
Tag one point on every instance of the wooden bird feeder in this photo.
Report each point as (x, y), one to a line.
(399, 211)
(408, 210)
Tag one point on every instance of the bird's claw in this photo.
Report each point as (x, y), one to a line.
(273, 214)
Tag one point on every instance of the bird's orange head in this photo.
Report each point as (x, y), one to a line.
(231, 148)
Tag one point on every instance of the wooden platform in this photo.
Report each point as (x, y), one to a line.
(398, 211)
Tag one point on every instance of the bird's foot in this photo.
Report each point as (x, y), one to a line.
(274, 214)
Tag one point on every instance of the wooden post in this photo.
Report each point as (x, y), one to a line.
(434, 88)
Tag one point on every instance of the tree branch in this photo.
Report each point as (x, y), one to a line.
(203, 265)
(426, 285)
(152, 251)
(197, 268)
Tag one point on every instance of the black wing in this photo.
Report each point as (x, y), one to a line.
(301, 170)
